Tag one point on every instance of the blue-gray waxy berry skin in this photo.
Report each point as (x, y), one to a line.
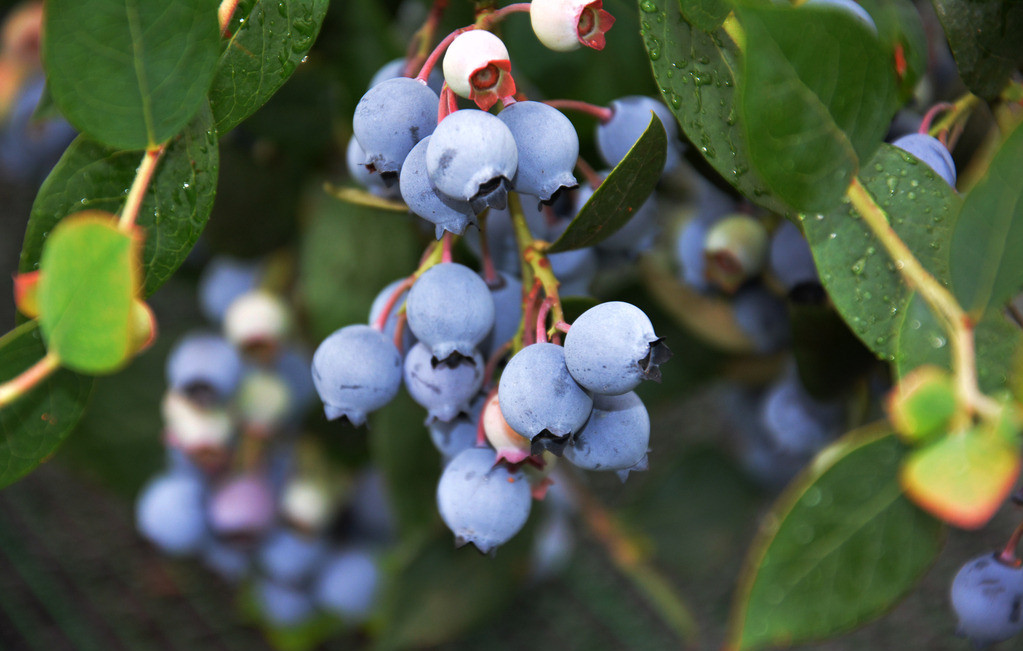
(506, 291)
(283, 605)
(795, 423)
(630, 118)
(348, 584)
(444, 390)
(396, 68)
(355, 159)
(289, 557)
(450, 309)
(171, 513)
(931, 152)
(791, 260)
(356, 370)
(407, 339)
(223, 280)
(472, 157)
(482, 504)
(763, 317)
(987, 596)
(417, 191)
(548, 148)
(204, 361)
(612, 347)
(539, 399)
(459, 434)
(615, 437)
(390, 119)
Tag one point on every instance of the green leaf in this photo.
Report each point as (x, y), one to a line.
(697, 73)
(841, 546)
(130, 73)
(901, 29)
(34, 426)
(922, 340)
(984, 37)
(704, 14)
(860, 277)
(985, 260)
(807, 119)
(175, 208)
(268, 39)
(964, 477)
(87, 283)
(348, 254)
(621, 194)
(436, 592)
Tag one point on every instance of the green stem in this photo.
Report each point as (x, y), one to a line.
(535, 263)
(959, 111)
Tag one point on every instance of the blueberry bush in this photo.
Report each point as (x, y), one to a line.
(446, 251)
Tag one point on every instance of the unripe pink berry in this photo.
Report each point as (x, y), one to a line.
(564, 25)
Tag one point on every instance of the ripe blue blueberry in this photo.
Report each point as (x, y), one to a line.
(229, 561)
(29, 148)
(481, 503)
(763, 318)
(348, 584)
(452, 437)
(615, 437)
(372, 517)
(205, 367)
(539, 398)
(356, 370)
(791, 260)
(292, 366)
(987, 596)
(396, 68)
(450, 310)
(795, 422)
(289, 557)
(472, 157)
(929, 151)
(548, 148)
(377, 308)
(417, 191)
(171, 513)
(612, 347)
(390, 119)
(355, 158)
(223, 280)
(445, 390)
(629, 119)
(506, 292)
(575, 270)
(282, 605)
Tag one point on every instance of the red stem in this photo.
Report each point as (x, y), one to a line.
(381, 321)
(925, 124)
(1008, 554)
(423, 37)
(495, 359)
(529, 307)
(541, 319)
(602, 113)
(445, 254)
(562, 326)
(489, 271)
(587, 170)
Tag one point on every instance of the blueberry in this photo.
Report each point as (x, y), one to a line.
(348, 584)
(849, 6)
(930, 152)
(355, 158)
(450, 310)
(763, 318)
(377, 308)
(506, 292)
(445, 213)
(242, 506)
(356, 370)
(791, 259)
(615, 437)
(205, 367)
(396, 68)
(795, 422)
(987, 596)
(230, 562)
(472, 157)
(612, 347)
(636, 236)
(289, 557)
(459, 434)
(481, 503)
(171, 513)
(540, 399)
(29, 148)
(443, 389)
(390, 119)
(223, 280)
(575, 270)
(552, 546)
(283, 605)
(629, 119)
(292, 366)
(548, 148)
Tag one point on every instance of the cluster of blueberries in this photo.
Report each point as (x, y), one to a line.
(242, 489)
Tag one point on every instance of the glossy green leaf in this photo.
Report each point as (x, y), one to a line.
(984, 37)
(860, 277)
(922, 340)
(174, 211)
(985, 260)
(130, 73)
(697, 74)
(348, 254)
(436, 591)
(268, 39)
(87, 284)
(621, 194)
(841, 546)
(705, 14)
(807, 121)
(34, 426)
(901, 32)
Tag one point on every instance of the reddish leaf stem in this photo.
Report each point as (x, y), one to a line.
(1008, 554)
(541, 319)
(602, 113)
(18, 386)
(224, 13)
(405, 285)
(143, 176)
